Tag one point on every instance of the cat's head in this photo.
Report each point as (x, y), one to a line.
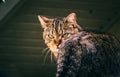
(58, 29)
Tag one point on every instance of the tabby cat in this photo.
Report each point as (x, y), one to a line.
(80, 53)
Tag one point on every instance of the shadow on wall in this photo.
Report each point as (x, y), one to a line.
(9, 74)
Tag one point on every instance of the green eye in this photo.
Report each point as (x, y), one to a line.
(50, 36)
(65, 35)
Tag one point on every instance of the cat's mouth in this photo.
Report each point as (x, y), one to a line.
(55, 51)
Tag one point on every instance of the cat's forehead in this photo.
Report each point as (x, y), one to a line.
(57, 24)
(57, 20)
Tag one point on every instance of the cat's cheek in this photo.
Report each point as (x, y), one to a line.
(54, 51)
(55, 54)
(53, 48)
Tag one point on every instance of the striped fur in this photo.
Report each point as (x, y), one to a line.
(80, 53)
(58, 29)
(89, 54)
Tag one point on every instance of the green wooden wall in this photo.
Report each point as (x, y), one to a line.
(21, 42)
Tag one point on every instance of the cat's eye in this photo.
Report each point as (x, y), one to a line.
(65, 35)
(50, 36)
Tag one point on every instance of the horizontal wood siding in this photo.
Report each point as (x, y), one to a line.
(21, 42)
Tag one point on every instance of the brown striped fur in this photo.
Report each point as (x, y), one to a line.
(80, 53)
(58, 29)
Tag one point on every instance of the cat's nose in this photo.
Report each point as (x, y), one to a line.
(57, 42)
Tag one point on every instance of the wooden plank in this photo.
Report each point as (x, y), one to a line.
(95, 19)
(22, 58)
(22, 50)
(21, 34)
(64, 12)
(24, 26)
(75, 4)
(23, 70)
(86, 22)
(28, 66)
(33, 18)
(21, 42)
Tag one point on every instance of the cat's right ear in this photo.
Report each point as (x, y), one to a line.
(43, 20)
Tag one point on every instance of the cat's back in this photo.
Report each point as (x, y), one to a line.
(96, 39)
(98, 54)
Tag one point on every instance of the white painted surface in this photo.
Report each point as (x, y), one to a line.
(6, 7)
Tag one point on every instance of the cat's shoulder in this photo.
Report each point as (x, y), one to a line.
(92, 36)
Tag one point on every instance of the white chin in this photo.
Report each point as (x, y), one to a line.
(55, 50)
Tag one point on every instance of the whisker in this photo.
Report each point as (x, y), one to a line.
(51, 56)
(46, 55)
(44, 50)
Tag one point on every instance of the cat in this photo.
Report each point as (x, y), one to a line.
(87, 54)
(58, 29)
(80, 53)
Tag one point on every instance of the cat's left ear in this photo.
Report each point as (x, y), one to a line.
(71, 18)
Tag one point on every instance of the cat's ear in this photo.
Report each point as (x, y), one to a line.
(43, 20)
(71, 18)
